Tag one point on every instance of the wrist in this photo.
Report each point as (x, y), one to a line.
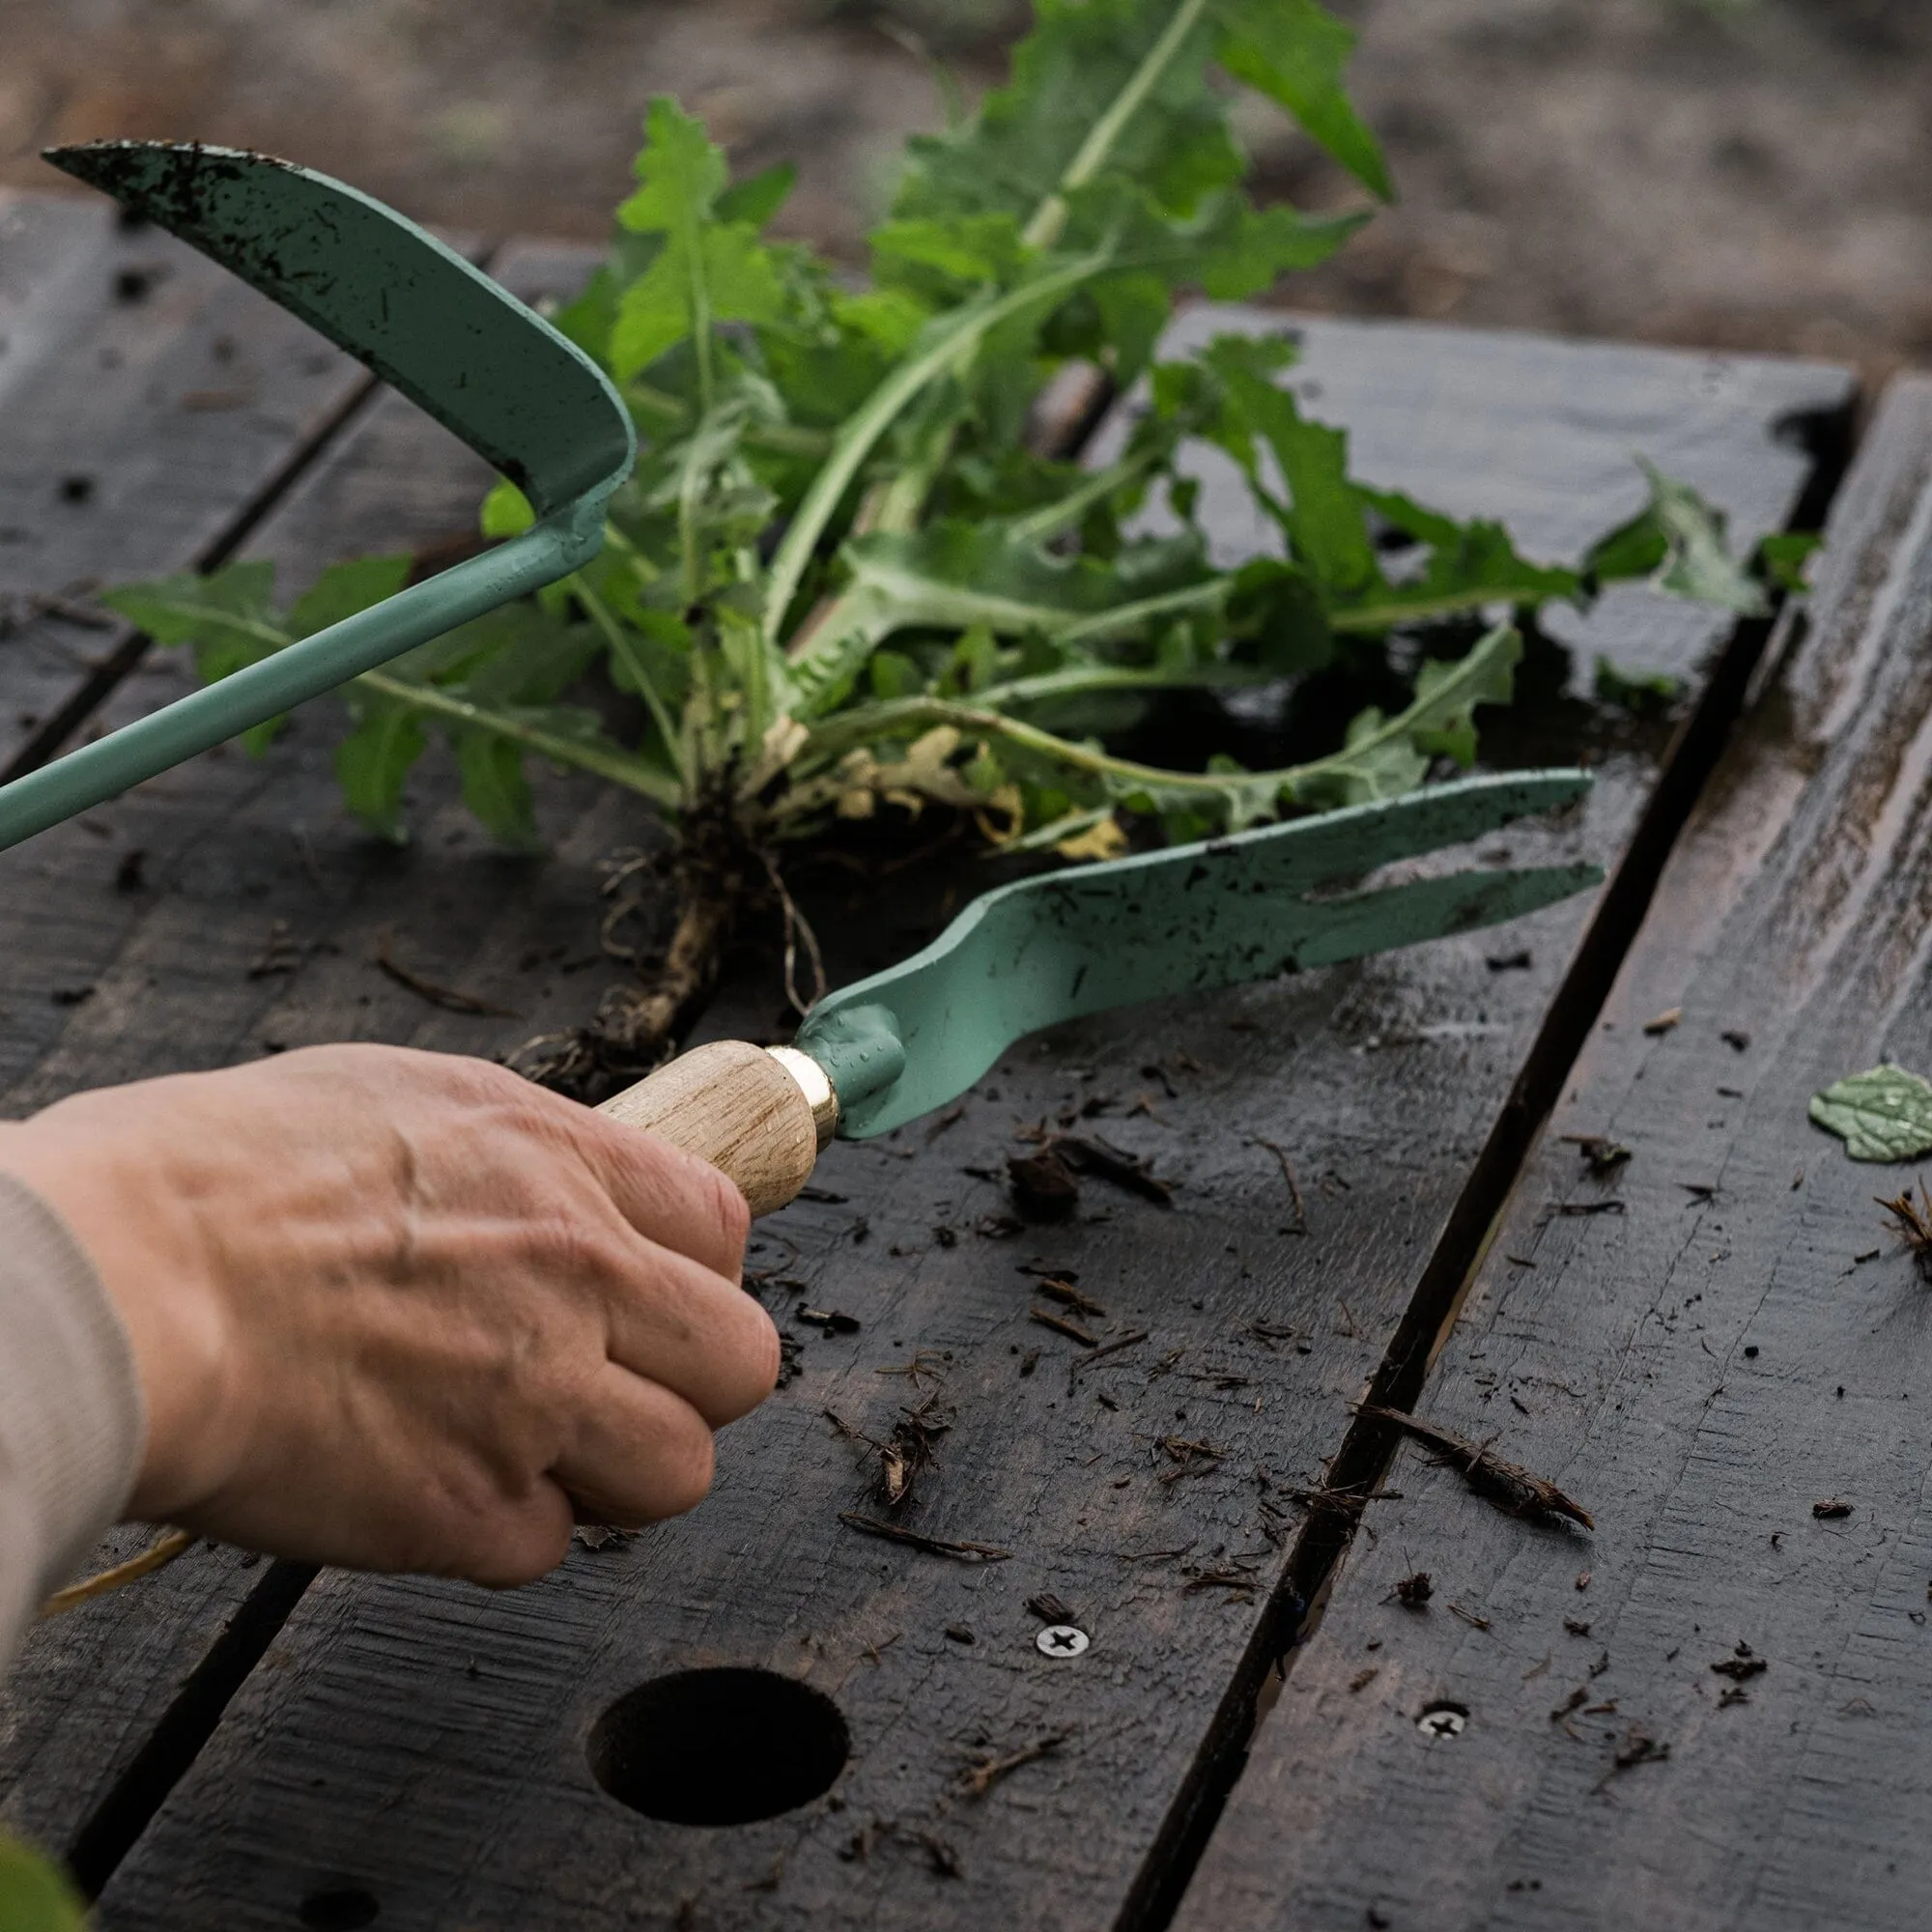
(145, 1246)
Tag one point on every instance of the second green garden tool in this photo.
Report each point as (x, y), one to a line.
(528, 402)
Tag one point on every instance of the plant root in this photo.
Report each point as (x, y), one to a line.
(158, 1556)
(638, 1026)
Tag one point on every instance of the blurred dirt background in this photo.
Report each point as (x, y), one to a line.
(1747, 174)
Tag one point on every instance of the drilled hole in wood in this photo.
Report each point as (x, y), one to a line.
(345, 1908)
(719, 1747)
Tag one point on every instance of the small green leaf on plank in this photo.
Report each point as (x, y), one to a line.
(34, 1897)
(1785, 559)
(1646, 693)
(1885, 1114)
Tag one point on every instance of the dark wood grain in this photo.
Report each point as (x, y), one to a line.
(423, 1745)
(1744, 1342)
(254, 927)
(151, 406)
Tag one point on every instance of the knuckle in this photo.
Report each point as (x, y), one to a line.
(561, 1246)
(525, 1554)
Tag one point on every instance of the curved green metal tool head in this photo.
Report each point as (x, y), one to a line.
(1189, 920)
(525, 399)
(521, 395)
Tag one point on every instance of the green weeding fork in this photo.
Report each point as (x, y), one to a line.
(870, 1057)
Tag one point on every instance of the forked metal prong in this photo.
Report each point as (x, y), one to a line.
(1355, 840)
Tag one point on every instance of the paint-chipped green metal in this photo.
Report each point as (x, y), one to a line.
(525, 399)
(1188, 919)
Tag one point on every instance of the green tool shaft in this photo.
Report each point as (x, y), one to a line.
(206, 717)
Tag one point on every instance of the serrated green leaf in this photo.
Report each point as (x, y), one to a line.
(927, 253)
(496, 789)
(35, 1896)
(1883, 1114)
(373, 763)
(706, 270)
(343, 589)
(1786, 556)
(955, 576)
(228, 618)
(1701, 565)
(758, 197)
(1678, 543)
(725, 275)
(1636, 548)
(1477, 563)
(1297, 54)
(1385, 757)
(1326, 515)
(1245, 254)
(680, 172)
(1075, 65)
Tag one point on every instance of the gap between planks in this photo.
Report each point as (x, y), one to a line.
(1368, 1450)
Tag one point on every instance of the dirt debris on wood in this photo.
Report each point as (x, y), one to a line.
(449, 997)
(933, 1545)
(1060, 1325)
(1912, 1222)
(1414, 1590)
(1300, 1223)
(1045, 1185)
(1513, 1488)
(1600, 1155)
(978, 1778)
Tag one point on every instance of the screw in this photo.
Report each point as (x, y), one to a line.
(1061, 1640)
(1442, 1721)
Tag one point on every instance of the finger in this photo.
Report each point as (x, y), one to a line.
(527, 1540)
(668, 1195)
(638, 1452)
(701, 1335)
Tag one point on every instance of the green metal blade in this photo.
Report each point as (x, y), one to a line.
(1190, 919)
(523, 397)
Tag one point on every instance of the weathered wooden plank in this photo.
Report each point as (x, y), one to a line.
(1740, 1342)
(423, 1750)
(149, 405)
(250, 921)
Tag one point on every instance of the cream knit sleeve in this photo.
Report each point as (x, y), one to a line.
(72, 1424)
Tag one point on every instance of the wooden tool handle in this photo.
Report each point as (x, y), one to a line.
(736, 1106)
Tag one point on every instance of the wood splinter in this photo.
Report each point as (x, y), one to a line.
(1513, 1488)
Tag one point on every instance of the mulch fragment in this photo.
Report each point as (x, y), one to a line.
(977, 1779)
(935, 1546)
(1060, 1325)
(1513, 1488)
(1913, 1224)
(1600, 1155)
(1280, 1153)
(446, 997)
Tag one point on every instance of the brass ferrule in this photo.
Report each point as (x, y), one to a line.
(815, 1084)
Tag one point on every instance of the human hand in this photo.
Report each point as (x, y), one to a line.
(404, 1311)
